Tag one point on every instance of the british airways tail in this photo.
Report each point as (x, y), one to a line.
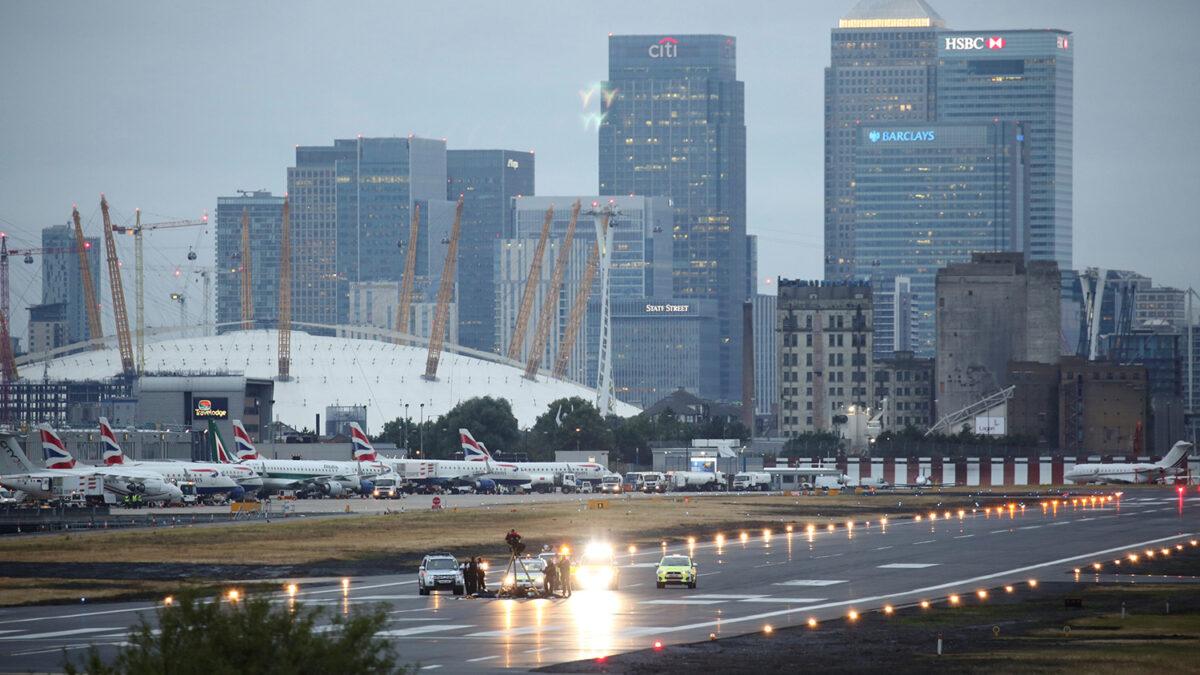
(363, 450)
(1177, 456)
(243, 446)
(53, 451)
(473, 450)
(112, 450)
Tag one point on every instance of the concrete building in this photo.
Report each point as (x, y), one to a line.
(1160, 305)
(673, 125)
(1033, 410)
(906, 382)
(487, 180)
(990, 311)
(826, 333)
(62, 281)
(264, 216)
(1161, 350)
(190, 402)
(1102, 407)
(49, 327)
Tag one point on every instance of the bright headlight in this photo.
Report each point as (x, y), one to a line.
(510, 580)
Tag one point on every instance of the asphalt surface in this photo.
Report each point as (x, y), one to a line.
(745, 585)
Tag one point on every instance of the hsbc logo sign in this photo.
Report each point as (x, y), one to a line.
(667, 48)
(972, 43)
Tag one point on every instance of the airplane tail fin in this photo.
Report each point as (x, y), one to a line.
(1177, 456)
(12, 457)
(473, 450)
(216, 445)
(112, 450)
(243, 446)
(363, 450)
(54, 453)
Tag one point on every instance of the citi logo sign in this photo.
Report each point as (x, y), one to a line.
(667, 48)
(970, 43)
(899, 136)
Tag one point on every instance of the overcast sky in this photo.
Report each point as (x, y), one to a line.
(168, 105)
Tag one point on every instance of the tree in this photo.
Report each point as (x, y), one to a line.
(567, 424)
(490, 421)
(203, 636)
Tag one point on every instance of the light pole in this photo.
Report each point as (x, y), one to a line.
(405, 428)
(576, 439)
(421, 431)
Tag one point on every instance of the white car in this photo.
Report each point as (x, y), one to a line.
(527, 577)
(440, 572)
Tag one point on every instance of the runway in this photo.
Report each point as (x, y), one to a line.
(776, 578)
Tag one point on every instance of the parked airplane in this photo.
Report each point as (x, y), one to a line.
(18, 473)
(1136, 472)
(329, 477)
(534, 473)
(132, 480)
(245, 479)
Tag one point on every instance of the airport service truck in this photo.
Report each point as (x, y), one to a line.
(696, 480)
(552, 483)
(752, 480)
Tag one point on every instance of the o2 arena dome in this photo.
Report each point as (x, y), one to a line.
(336, 371)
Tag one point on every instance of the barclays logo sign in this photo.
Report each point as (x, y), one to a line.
(899, 136)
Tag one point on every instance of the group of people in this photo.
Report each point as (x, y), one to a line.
(474, 576)
(558, 575)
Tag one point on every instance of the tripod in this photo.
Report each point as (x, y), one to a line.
(514, 562)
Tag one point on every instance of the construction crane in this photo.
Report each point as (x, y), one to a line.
(8, 364)
(285, 295)
(406, 283)
(571, 332)
(550, 302)
(118, 293)
(139, 286)
(438, 333)
(247, 295)
(535, 271)
(89, 289)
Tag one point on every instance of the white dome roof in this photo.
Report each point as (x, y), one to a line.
(337, 371)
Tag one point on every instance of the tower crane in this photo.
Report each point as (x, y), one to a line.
(139, 288)
(571, 332)
(406, 282)
(118, 293)
(247, 295)
(551, 300)
(438, 333)
(285, 294)
(89, 289)
(8, 364)
(535, 271)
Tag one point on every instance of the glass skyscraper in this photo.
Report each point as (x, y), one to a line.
(882, 68)
(264, 214)
(62, 281)
(1025, 75)
(673, 125)
(487, 181)
(929, 195)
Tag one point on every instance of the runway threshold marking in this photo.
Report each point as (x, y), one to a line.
(725, 621)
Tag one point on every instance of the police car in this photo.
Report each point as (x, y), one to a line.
(440, 572)
(676, 569)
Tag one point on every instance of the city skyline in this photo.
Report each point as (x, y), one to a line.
(169, 108)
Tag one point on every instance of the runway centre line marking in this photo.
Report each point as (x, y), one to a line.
(907, 566)
(832, 555)
(882, 548)
(57, 633)
(1065, 522)
(724, 621)
(793, 601)
(338, 588)
(681, 601)
(810, 582)
(418, 630)
(1029, 527)
(633, 585)
(539, 649)
(483, 658)
(999, 531)
(434, 666)
(927, 541)
(721, 596)
(964, 536)
(77, 616)
(523, 630)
